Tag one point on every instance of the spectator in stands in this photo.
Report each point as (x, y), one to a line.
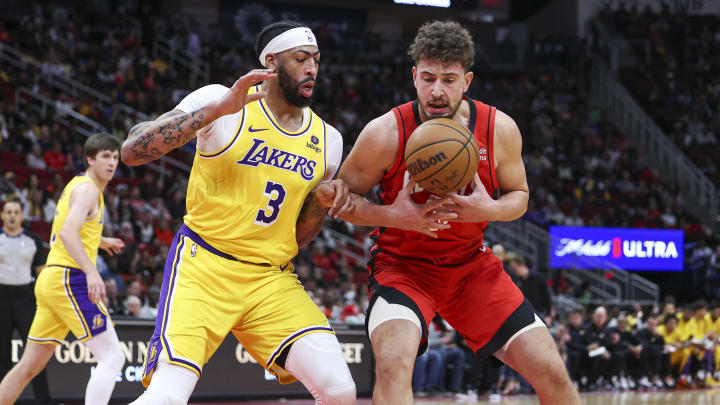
(75, 158)
(34, 209)
(8, 189)
(596, 340)
(150, 309)
(54, 158)
(163, 231)
(532, 284)
(145, 229)
(133, 306)
(577, 354)
(453, 356)
(428, 367)
(653, 361)
(35, 158)
(112, 302)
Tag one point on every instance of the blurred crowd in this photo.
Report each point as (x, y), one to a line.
(582, 170)
(675, 78)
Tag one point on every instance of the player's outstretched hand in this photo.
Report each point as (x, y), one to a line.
(423, 218)
(96, 287)
(235, 99)
(334, 195)
(112, 245)
(476, 207)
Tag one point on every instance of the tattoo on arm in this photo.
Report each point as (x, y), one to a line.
(150, 140)
(310, 220)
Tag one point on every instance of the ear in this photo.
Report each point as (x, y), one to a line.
(271, 61)
(468, 80)
(414, 75)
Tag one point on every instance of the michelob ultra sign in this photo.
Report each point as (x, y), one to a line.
(629, 249)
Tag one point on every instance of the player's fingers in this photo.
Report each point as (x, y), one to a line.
(254, 97)
(409, 187)
(257, 76)
(341, 194)
(476, 183)
(458, 199)
(438, 226)
(431, 205)
(347, 207)
(443, 216)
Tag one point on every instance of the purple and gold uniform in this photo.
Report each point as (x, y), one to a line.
(61, 288)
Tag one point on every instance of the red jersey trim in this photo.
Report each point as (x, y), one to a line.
(402, 139)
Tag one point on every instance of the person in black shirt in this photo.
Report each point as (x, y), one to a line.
(652, 360)
(596, 338)
(576, 349)
(532, 284)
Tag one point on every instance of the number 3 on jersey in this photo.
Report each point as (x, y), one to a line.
(276, 193)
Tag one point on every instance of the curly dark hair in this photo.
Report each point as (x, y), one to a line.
(444, 41)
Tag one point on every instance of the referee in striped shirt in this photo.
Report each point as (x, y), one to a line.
(21, 252)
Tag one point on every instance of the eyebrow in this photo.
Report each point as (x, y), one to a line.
(425, 72)
(307, 53)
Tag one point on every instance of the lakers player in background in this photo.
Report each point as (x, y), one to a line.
(69, 290)
(260, 186)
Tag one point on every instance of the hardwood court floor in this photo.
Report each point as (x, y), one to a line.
(694, 397)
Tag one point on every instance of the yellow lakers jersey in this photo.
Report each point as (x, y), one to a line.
(90, 233)
(677, 335)
(245, 198)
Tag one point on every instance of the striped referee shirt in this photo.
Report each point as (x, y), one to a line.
(19, 254)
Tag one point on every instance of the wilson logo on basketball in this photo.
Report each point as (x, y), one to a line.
(420, 165)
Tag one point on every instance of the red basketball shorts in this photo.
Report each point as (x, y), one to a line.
(477, 298)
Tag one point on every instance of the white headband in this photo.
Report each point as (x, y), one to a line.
(289, 39)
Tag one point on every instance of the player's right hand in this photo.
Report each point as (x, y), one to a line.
(96, 287)
(419, 217)
(235, 99)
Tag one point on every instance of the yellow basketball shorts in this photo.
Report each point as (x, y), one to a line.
(206, 294)
(63, 305)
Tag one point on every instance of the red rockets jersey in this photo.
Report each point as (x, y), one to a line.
(462, 241)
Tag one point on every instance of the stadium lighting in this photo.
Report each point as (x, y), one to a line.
(432, 3)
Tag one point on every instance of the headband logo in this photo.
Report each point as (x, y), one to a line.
(309, 36)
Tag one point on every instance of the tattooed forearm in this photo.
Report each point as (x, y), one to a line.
(151, 140)
(310, 221)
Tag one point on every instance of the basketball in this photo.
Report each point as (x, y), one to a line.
(441, 156)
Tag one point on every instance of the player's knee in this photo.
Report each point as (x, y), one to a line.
(555, 380)
(391, 363)
(114, 360)
(342, 394)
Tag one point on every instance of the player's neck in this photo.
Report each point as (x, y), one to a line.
(13, 232)
(100, 184)
(289, 116)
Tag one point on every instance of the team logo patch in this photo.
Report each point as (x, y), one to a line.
(153, 351)
(314, 140)
(98, 321)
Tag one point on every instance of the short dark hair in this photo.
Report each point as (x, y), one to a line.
(14, 199)
(668, 318)
(100, 142)
(443, 41)
(271, 31)
(699, 305)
